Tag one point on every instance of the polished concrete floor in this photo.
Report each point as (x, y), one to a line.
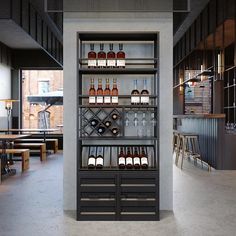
(31, 205)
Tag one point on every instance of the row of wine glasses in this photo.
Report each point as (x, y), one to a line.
(140, 119)
(140, 123)
(230, 127)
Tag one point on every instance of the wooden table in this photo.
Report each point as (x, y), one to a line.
(4, 139)
(20, 131)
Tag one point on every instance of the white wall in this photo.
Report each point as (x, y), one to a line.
(162, 22)
(5, 92)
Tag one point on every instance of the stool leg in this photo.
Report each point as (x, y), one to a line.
(183, 151)
(173, 143)
(177, 151)
(198, 150)
(193, 151)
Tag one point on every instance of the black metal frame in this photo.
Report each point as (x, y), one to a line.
(117, 194)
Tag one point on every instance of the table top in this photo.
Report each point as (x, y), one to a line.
(201, 116)
(29, 130)
(11, 137)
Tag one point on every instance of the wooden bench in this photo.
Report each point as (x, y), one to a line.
(34, 146)
(24, 153)
(52, 142)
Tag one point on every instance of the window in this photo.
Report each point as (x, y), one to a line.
(43, 87)
(39, 88)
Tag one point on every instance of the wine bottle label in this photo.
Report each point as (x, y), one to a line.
(91, 161)
(102, 63)
(111, 62)
(114, 100)
(99, 161)
(145, 100)
(99, 100)
(135, 99)
(121, 62)
(136, 161)
(129, 161)
(92, 63)
(107, 99)
(92, 100)
(144, 161)
(121, 161)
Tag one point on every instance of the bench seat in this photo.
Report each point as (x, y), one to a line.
(34, 146)
(24, 154)
(50, 143)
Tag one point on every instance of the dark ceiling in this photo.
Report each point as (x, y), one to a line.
(182, 21)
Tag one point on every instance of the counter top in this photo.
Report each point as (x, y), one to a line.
(201, 116)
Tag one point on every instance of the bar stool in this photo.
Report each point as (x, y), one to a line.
(188, 145)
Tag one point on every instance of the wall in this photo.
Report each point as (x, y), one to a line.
(162, 22)
(5, 92)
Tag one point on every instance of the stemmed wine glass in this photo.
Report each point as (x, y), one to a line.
(135, 120)
(127, 120)
(153, 119)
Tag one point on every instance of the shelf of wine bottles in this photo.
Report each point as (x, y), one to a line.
(122, 157)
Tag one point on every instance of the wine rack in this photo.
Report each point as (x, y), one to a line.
(111, 154)
(112, 193)
(101, 116)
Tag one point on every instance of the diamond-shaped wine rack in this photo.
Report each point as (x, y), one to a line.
(101, 116)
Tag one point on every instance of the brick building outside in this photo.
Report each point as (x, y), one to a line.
(36, 82)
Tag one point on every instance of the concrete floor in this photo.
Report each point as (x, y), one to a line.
(31, 205)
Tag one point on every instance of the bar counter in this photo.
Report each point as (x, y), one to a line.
(217, 147)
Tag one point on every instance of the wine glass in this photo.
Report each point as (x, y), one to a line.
(127, 121)
(135, 120)
(144, 120)
(153, 119)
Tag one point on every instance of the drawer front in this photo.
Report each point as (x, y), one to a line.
(97, 197)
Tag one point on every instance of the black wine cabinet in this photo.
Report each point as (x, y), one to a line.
(110, 193)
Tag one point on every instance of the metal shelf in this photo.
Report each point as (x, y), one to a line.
(118, 138)
(119, 96)
(117, 169)
(118, 71)
(117, 106)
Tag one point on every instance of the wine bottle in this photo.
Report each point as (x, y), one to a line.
(101, 57)
(91, 158)
(144, 159)
(135, 99)
(115, 131)
(129, 159)
(100, 158)
(111, 56)
(107, 123)
(144, 94)
(92, 63)
(114, 116)
(114, 93)
(92, 93)
(136, 159)
(121, 159)
(121, 57)
(101, 129)
(99, 92)
(107, 93)
(93, 122)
